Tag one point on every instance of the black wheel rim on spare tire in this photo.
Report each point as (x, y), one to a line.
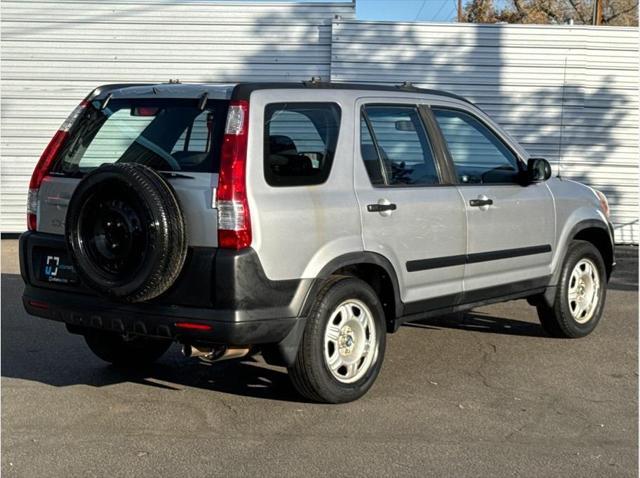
(125, 232)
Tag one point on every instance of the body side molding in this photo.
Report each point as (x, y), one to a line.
(438, 262)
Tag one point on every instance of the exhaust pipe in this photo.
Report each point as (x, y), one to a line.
(214, 354)
(199, 352)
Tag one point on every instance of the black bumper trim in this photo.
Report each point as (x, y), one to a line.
(228, 327)
(210, 279)
(227, 290)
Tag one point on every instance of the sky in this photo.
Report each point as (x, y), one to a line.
(403, 10)
(407, 10)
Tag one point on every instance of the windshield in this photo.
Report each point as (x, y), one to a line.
(167, 135)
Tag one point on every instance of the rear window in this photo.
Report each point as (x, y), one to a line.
(299, 142)
(167, 135)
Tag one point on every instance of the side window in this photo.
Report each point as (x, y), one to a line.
(479, 156)
(197, 137)
(370, 154)
(398, 141)
(194, 143)
(299, 142)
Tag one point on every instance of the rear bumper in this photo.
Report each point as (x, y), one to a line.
(224, 295)
(215, 326)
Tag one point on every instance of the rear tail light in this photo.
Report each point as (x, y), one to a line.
(38, 304)
(234, 223)
(45, 163)
(192, 326)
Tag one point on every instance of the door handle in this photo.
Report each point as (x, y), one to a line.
(381, 207)
(480, 202)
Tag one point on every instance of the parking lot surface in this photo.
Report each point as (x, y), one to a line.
(478, 394)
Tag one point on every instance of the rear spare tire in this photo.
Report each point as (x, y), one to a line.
(125, 232)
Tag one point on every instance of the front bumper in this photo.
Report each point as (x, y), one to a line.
(612, 237)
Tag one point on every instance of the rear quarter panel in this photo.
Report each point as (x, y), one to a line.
(299, 229)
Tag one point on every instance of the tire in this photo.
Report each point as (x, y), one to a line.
(311, 372)
(129, 352)
(126, 233)
(580, 295)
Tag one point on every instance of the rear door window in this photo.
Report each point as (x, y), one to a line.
(395, 147)
(167, 135)
(299, 142)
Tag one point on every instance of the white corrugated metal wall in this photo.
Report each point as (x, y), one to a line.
(569, 94)
(55, 52)
(564, 92)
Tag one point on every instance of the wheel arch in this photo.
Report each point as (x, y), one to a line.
(374, 269)
(598, 233)
(601, 239)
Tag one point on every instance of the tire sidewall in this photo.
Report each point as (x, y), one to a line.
(580, 250)
(85, 267)
(347, 288)
(165, 249)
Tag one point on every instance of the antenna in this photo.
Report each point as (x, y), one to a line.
(564, 87)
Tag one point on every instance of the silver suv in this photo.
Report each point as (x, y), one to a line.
(304, 221)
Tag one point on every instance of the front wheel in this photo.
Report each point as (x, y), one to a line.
(580, 295)
(125, 351)
(343, 344)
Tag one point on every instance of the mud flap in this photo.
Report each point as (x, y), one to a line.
(284, 352)
(547, 297)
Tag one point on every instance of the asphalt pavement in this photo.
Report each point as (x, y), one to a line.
(484, 393)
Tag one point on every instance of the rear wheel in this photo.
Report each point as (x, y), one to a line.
(343, 344)
(580, 295)
(126, 351)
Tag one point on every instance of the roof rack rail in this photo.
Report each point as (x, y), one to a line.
(408, 86)
(243, 90)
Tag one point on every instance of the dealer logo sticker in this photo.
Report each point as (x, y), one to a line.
(55, 270)
(51, 267)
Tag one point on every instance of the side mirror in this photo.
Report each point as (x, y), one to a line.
(538, 170)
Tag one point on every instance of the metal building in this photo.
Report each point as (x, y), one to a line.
(569, 94)
(55, 52)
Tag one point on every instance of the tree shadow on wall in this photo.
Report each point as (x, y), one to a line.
(529, 90)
